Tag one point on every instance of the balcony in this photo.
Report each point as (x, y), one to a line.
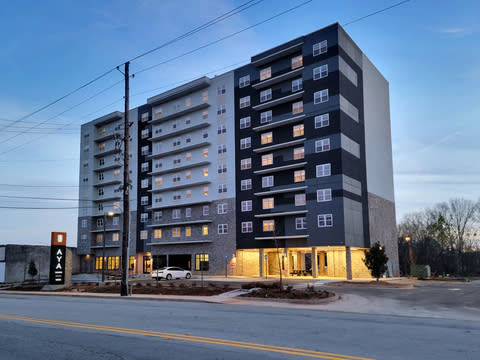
(179, 91)
(261, 59)
(279, 146)
(180, 204)
(283, 237)
(179, 168)
(277, 79)
(279, 101)
(180, 223)
(109, 118)
(282, 190)
(179, 132)
(180, 113)
(283, 122)
(180, 150)
(165, 243)
(280, 168)
(283, 213)
(178, 187)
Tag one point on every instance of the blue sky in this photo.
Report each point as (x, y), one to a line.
(427, 50)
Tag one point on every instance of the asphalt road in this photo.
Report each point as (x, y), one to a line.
(47, 327)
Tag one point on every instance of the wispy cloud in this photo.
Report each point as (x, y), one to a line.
(452, 30)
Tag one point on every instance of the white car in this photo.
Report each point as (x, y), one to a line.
(171, 272)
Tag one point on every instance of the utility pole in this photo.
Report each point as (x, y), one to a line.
(126, 184)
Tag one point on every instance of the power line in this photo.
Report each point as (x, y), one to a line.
(43, 186)
(376, 12)
(40, 198)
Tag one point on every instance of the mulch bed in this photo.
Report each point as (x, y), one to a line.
(273, 291)
(373, 283)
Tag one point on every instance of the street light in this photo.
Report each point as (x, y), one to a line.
(410, 255)
(110, 213)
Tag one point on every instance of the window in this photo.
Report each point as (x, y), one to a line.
(297, 85)
(157, 199)
(205, 96)
(300, 199)
(244, 81)
(84, 237)
(267, 181)
(267, 159)
(176, 232)
(144, 183)
(158, 164)
(299, 176)
(144, 235)
(268, 225)
(245, 184)
(188, 139)
(222, 168)
(145, 166)
(100, 207)
(222, 228)
(205, 134)
(205, 115)
(144, 200)
(187, 120)
(84, 223)
(145, 133)
(221, 90)
(323, 170)
(205, 190)
(177, 161)
(145, 150)
(298, 153)
(188, 156)
(246, 205)
(222, 208)
(221, 129)
(157, 215)
(201, 262)
(245, 143)
(245, 164)
(320, 72)
(188, 101)
(205, 210)
(116, 204)
(298, 130)
(300, 223)
(265, 74)
(188, 212)
(320, 96)
(101, 162)
(158, 113)
(157, 233)
(221, 109)
(99, 237)
(325, 220)
(143, 217)
(247, 227)
(266, 138)
(176, 213)
(244, 102)
(297, 107)
(85, 163)
(320, 48)
(265, 95)
(266, 117)
(204, 229)
(100, 191)
(176, 178)
(222, 148)
(188, 231)
(297, 62)
(324, 195)
(99, 223)
(177, 196)
(267, 203)
(101, 146)
(222, 188)
(158, 180)
(188, 194)
(322, 145)
(188, 175)
(245, 122)
(322, 121)
(205, 172)
(116, 173)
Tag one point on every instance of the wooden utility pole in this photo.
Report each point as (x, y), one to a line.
(126, 185)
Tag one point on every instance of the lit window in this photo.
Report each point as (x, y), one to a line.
(297, 62)
(320, 96)
(322, 121)
(116, 205)
(158, 180)
(99, 237)
(247, 227)
(267, 159)
(157, 234)
(245, 122)
(188, 102)
(205, 230)
(300, 223)
(205, 191)
(323, 170)
(320, 72)
(298, 153)
(245, 143)
(265, 74)
(188, 175)
(101, 146)
(325, 220)
(176, 232)
(245, 184)
(297, 85)
(244, 102)
(205, 153)
(298, 130)
(205, 172)
(205, 115)
(320, 48)
(245, 164)
(322, 145)
(222, 229)
(265, 117)
(188, 194)
(265, 95)
(188, 231)
(205, 96)
(300, 199)
(268, 203)
(158, 113)
(116, 173)
(324, 195)
(297, 107)
(268, 225)
(201, 262)
(267, 181)
(205, 210)
(266, 138)
(244, 81)
(299, 176)
(188, 156)
(246, 205)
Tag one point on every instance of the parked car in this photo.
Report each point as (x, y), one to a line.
(171, 272)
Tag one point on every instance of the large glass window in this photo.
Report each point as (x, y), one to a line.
(265, 73)
(268, 225)
(201, 262)
(268, 203)
(267, 159)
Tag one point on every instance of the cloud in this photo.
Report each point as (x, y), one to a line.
(452, 30)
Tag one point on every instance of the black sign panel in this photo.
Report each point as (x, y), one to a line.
(57, 264)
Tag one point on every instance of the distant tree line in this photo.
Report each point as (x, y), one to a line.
(446, 237)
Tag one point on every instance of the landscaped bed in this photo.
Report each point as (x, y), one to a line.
(273, 291)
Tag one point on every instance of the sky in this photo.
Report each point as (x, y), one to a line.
(428, 51)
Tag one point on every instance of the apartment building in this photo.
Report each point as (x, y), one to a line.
(284, 163)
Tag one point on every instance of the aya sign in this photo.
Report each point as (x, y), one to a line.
(58, 252)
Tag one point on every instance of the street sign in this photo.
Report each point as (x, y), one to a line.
(58, 253)
(226, 257)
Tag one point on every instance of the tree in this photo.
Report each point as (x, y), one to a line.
(376, 260)
(32, 269)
